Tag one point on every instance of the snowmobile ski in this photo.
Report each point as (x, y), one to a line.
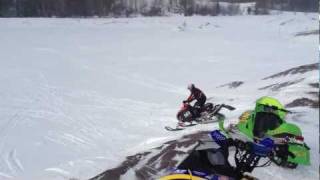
(173, 129)
(178, 128)
(231, 108)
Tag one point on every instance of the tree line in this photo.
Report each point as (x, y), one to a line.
(116, 8)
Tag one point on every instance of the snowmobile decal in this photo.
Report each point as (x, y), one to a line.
(218, 137)
(244, 116)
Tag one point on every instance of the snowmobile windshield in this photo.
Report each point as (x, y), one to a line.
(270, 109)
(265, 121)
(270, 105)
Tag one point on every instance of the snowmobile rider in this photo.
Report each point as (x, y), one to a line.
(199, 96)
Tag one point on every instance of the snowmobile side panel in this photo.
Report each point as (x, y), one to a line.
(245, 124)
(221, 125)
(287, 128)
(301, 153)
(245, 129)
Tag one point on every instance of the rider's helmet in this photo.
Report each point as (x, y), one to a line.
(191, 87)
(268, 114)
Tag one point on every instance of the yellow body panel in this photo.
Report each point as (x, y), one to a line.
(180, 177)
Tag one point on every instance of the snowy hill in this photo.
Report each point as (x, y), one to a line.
(160, 160)
(80, 95)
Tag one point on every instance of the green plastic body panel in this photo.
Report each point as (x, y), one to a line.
(286, 128)
(302, 154)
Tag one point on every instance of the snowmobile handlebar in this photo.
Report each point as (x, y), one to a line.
(248, 155)
(262, 149)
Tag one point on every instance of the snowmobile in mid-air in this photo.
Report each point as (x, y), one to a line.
(189, 115)
(268, 120)
(209, 159)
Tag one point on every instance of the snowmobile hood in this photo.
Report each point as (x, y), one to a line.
(184, 106)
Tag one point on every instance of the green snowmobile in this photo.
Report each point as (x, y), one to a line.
(268, 120)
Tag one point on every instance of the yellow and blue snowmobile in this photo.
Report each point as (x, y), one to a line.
(209, 159)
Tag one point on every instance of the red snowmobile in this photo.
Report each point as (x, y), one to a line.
(189, 115)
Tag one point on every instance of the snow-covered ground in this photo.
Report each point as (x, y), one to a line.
(79, 95)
